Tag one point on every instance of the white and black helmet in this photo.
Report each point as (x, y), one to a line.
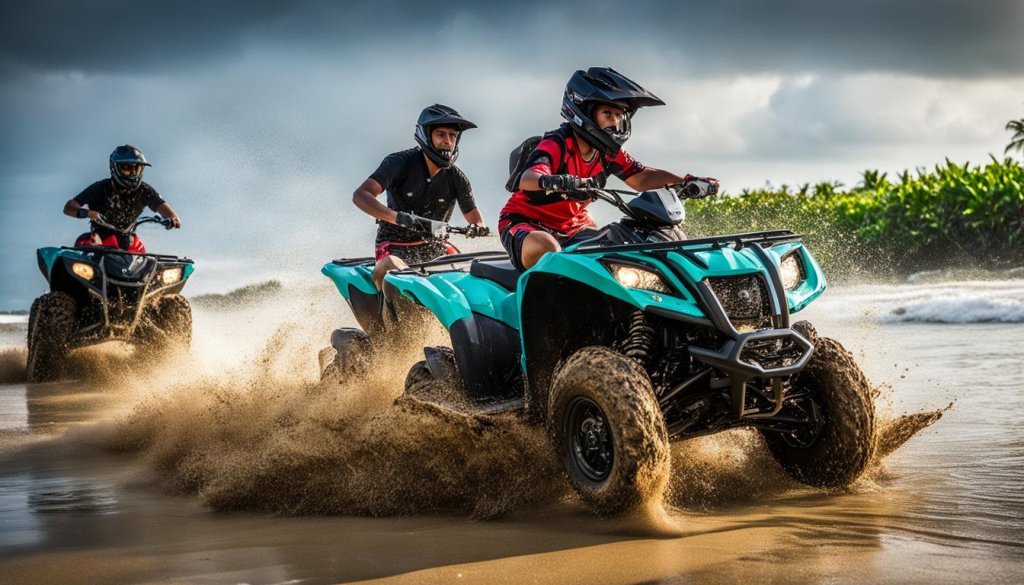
(603, 85)
(439, 115)
(126, 154)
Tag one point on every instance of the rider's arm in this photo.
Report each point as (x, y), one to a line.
(530, 181)
(464, 196)
(543, 161)
(474, 216)
(165, 211)
(365, 198)
(651, 178)
(71, 210)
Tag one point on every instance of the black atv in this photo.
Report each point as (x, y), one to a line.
(99, 294)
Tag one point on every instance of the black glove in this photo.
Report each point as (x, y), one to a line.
(477, 231)
(560, 182)
(430, 227)
(698, 187)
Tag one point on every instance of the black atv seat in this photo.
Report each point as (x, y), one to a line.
(499, 271)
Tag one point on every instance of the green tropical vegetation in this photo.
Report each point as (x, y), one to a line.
(1017, 142)
(954, 216)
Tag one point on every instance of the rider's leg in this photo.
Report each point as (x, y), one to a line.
(535, 245)
(385, 265)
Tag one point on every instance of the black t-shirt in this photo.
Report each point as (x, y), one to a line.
(410, 188)
(119, 208)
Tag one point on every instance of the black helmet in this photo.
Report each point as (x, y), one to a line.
(603, 85)
(126, 154)
(439, 115)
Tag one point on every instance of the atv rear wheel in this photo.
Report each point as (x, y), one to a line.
(168, 326)
(608, 430)
(51, 325)
(425, 385)
(834, 398)
(348, 356)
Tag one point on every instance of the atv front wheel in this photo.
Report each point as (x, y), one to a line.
(608, 430)
(51, 325)
(169, 326)
(833, 398)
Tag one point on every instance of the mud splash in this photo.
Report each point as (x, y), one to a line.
(250, 427)
(304, 449)
(892, 434)
(12, 365)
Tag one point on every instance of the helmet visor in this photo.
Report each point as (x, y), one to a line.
(130, 169)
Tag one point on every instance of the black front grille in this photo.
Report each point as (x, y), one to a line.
(777, 352)
(122, 302)
(744, 298)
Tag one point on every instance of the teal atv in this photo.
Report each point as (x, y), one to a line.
(629, 340)
(100, 293)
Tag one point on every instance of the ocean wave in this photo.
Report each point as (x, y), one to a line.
(960, 309)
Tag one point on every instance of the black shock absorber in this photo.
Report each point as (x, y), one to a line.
(640, 339)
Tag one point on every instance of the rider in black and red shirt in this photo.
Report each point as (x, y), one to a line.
(423, 184)
(547, 212)
(118, 201)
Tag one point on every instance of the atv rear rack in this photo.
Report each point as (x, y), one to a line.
(450, 260)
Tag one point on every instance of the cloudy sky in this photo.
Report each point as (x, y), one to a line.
(261, 117)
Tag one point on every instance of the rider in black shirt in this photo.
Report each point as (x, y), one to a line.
(118, 201)
(423, 184)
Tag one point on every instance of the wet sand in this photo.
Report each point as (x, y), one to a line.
(262, 477)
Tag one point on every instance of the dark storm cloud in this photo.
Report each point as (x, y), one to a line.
(960, 38)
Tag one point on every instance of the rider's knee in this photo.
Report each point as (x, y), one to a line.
(535, 245)
(385, 265)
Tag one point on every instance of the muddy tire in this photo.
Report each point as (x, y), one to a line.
(51, 325)
(168, 326)
(349, 359)
(838, 444)
(422, 384)
(608, 430)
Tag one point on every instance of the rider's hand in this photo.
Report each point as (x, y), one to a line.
(698, 187)
(475, 230)
(86, 213)
(423, 225)
(560, 182)
(175, 222)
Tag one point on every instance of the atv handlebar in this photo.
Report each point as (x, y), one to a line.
(616, 197)
(470, 231)
(164, 221)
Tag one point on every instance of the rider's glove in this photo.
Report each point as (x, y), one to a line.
(561, 183)
(477, 231)
(423, 225)
(698, 187)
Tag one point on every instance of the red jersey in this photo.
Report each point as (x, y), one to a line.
(558, 154)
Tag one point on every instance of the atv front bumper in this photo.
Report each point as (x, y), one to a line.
(771, 354)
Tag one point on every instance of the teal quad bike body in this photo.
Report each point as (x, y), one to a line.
(635, 336)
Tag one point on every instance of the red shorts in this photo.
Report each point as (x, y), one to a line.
(512, 234)
(414, 252)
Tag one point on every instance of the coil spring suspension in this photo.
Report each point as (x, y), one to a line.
(640, 339)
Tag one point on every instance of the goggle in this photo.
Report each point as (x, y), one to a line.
(130, 169)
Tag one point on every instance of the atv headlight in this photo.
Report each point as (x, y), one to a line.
(170, 275)
(791, 271)
(83, 270)
(635, 277)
